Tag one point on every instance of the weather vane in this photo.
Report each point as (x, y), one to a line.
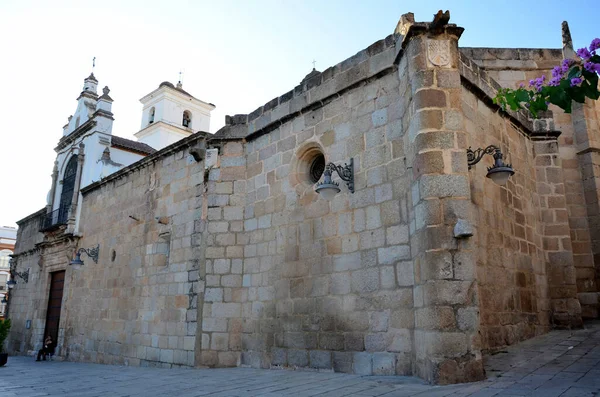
(93, 64)
(180, 75)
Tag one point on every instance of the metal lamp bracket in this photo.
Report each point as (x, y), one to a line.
(346, 173)
(22, 275)
(92, 252)
(475, 156)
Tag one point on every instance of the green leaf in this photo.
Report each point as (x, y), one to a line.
(522, 95)
(575, 71)
(591, 91)
(592, 78)
(559, 98)
(577, 94)
(595, 58)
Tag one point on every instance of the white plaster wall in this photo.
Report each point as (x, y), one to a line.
(124, 157)
(158, 112)
(169, 107)
(161, 138)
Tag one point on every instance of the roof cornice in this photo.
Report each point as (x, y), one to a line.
(78, 132)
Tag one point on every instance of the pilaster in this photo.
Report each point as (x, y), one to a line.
(73, 210)
(447, 346)
(587, 142)
(50, 203)
(558, 254)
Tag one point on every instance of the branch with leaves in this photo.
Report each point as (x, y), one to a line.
(573, 80)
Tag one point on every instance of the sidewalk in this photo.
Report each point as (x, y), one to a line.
(561, 363)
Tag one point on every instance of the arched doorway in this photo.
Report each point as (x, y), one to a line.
(66, 197)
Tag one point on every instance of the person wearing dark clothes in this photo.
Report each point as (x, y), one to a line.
(47, 349)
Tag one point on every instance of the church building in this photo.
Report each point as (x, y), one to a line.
(382, 217)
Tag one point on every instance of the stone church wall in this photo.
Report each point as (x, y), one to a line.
(138, 304)
(26, 303)
(293, 280)
(512, 67)
(511, 274)
(242, 263)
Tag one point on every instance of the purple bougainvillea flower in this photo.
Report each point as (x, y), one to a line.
(557, 72)
(575, 81)
(554, 81)
(521, 85)
(589, 66)
(583, 53)
(531, 83)
(595, 44)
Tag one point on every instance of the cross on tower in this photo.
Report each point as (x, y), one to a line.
(180, 73)
(93, 63)
(314, 63)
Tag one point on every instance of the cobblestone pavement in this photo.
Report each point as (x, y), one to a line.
(561, 363)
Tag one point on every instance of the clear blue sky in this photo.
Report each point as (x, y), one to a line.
(235, 54)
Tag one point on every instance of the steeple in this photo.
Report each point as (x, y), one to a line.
(90, 84)
(170, 113)
(86, 104)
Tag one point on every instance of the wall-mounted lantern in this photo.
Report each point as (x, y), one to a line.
(14, 274)
(499, 172)
(92, 253)
(328, 188)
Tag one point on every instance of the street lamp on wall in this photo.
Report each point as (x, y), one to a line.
(500, 171)
(92, 253)
(328, 188)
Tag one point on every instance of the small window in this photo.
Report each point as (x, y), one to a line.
(151, 118)
(187, 119)
(317, 167)
(77, 122)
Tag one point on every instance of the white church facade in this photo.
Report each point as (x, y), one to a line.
(89, 152)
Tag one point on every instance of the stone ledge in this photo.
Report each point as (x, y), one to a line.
(477, 80)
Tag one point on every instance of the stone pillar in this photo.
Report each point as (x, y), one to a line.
(73, 211)
(587, 143)
(446, 340)
(558, 255)
(50, 203)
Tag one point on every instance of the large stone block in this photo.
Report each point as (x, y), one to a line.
(320, 359)
(366, 280)
(297, 358)
(384, 364)
(363, 363)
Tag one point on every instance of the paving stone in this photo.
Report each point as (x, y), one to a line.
(528, 370)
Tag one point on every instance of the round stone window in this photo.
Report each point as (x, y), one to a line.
(316, 168)
(307, 167)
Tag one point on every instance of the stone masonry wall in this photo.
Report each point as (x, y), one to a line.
(294, 280)
(513, 285)
(138, 304)
(512, 67)
(24, 299)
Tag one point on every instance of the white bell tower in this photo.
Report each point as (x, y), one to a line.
(170, 113)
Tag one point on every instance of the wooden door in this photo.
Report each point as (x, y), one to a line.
(54, 304)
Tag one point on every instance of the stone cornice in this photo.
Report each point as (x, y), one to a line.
(316, 90)
(31, 216)
(477, 80)
(149, 159)
(78, 132)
